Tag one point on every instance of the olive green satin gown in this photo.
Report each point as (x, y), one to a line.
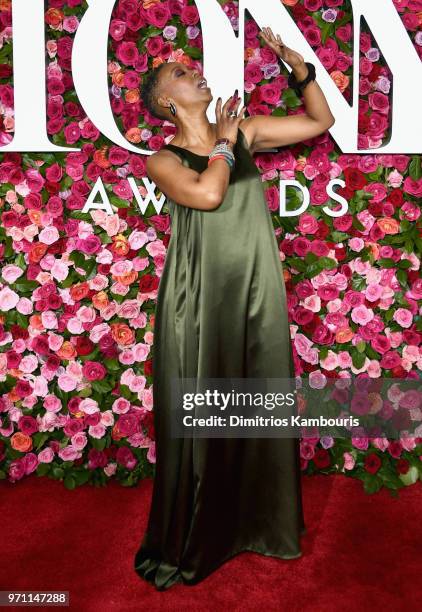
(221, 312)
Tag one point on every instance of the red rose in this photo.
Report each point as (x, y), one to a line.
(402, 466)
(321, 458)
(158, 15)
(18, 332)
(148, 283)
(40, 345)
(23, 388)
(355, 178)
(396, 198)
(148, 367)
(92, 370)
(372, 463)
(84, 345)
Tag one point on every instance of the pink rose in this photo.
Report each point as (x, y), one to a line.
(11, 273)
(8, 299)
(46, 455)
(52, 403)
(68, 453)
(403, 317)
(79, 440)
(307, 224)
(117, 29)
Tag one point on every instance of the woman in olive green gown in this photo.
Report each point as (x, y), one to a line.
(221, 312)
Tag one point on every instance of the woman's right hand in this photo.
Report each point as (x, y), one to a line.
(227, 127)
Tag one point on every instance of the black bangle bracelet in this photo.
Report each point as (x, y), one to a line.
(299, 86)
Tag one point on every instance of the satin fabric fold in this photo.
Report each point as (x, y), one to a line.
(221, 312)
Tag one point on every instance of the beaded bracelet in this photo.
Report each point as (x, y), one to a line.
(222, 151)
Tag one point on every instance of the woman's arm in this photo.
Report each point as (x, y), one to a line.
(266, 132)
(201, 190)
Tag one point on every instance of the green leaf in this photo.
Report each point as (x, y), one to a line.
(25, 286)
(313, 269)
(194, 52)
(69, 482)
(43, 469)
(415, 169)
(357, 224)
(404, 264)
(361, 346)
(371, 353)
(297, 263)
(358, 358)
(372, 483)
(118, 202)
(311, 257)
(326, 263)
(326, 31)
(387, 262)
(101, 386)
(402, 278)
(98, 444)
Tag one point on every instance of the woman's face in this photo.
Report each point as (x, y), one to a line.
(183, 85)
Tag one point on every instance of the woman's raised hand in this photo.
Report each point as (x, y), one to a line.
(227, 126)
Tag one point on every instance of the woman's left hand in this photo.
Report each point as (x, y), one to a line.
(292, 58)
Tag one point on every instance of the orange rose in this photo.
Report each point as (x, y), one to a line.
(100, 300)
(118, 78)
(21, 442)
(148, 3)
(54, 17)
(35, 216)
(290, 2)
(122, 334)
(6, 5)
(67, 351)
(115, 433)
(100, 158)
(36, 321)
(157, 61)
(12, 395)
(132, 96)
(37, 252)
(127, 279)
(15, 372)
(301, 163)
(389, 225)
(340, 79)
(120, 245)
(344, 335)
(133, 135)
(78, 292)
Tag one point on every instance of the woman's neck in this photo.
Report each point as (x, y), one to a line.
(196, 137)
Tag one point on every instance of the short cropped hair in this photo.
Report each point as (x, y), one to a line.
(149, 91)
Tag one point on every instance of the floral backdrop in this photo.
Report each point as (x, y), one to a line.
(77, 291)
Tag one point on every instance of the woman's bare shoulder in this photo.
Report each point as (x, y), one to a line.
(163, 156)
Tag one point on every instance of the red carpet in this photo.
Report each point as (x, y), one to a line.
(360, 553)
